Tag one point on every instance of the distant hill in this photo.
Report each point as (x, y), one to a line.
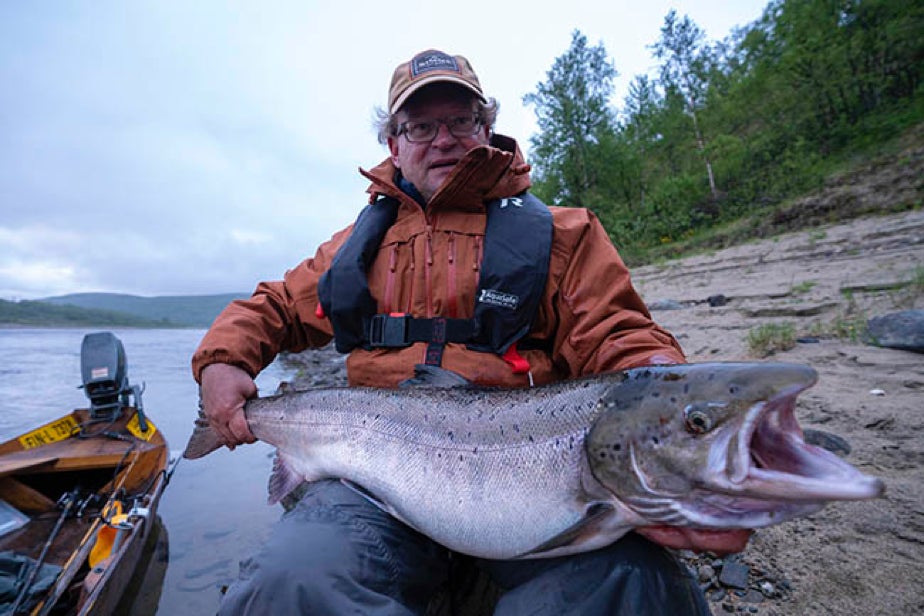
(180, 310)
(43, 314)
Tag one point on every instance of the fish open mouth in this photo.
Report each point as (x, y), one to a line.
(769, 459)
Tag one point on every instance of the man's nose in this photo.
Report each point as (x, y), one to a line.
(443, 137)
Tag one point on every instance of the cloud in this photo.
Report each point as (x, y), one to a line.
(163, 148)
(35, 276)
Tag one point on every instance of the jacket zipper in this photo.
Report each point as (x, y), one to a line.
(390, 279)
(451, 307)
(408, 308)
(428, 270)
(476, 265)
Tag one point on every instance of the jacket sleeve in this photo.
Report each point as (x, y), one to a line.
(279, 316)
(603, 324)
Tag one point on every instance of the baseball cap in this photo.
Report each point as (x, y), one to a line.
(427, 67)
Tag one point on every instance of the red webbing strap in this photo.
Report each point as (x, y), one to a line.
(517, 362)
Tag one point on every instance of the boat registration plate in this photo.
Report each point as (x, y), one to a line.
(58, 430)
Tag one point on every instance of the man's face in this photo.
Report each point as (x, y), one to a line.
(427, 164)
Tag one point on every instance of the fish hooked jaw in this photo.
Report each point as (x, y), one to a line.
(768, 458)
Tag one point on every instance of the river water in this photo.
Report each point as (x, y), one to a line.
(214, 509)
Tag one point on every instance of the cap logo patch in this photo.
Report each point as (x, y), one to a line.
(433, 61)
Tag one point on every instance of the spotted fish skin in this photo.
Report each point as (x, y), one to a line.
(561, 468)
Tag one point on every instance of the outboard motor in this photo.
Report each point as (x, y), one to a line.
(105, 378)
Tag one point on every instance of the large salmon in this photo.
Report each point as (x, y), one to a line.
(561, 468)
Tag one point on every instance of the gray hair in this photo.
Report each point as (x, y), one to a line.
(386, 124)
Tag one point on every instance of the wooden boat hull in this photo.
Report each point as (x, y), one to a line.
(71, 477)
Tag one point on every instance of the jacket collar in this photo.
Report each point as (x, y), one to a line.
(484, 173)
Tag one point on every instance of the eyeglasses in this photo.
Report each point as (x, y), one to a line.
(426, 130)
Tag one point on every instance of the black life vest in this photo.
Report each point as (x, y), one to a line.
(514, 272)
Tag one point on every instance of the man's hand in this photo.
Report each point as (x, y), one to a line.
(224, 390)
(699, 540)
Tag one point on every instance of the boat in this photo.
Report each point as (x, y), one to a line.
(79, 496)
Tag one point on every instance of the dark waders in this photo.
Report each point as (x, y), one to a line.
(336, 553)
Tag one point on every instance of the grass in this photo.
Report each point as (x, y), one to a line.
(907, 295)
(802, 288)
(849, 327)
(817, 235)
(789, 213)
(846, 326)
(770, 338)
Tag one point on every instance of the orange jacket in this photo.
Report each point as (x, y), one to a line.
(428, 265)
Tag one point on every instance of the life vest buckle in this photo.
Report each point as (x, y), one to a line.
(389, 330)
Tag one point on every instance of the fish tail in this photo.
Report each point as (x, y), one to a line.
(204, 440)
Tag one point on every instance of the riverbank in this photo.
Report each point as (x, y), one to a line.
(822, 284)
(850, 558)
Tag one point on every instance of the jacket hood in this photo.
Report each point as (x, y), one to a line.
(486, 172)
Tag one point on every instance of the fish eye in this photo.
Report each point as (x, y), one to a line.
(698, 420)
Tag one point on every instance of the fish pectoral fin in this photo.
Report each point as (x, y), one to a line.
(283, 479)
(593, 529)
(434, 376)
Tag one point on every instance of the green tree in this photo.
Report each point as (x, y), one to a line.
(640, 109)
(846, 58)
(769, 112)
(684, 69)
(574, 117)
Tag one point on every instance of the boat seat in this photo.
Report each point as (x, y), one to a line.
(68, 455)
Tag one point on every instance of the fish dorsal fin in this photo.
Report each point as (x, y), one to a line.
(284, 478)
(434, 376)
(596, 521)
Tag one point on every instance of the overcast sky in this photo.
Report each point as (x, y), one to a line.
(178, 148)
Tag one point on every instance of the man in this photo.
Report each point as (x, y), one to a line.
(453, 264)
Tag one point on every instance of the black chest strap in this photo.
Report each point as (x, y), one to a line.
(514, 271)
(343, 290)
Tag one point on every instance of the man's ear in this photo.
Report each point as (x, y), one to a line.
(393, 149)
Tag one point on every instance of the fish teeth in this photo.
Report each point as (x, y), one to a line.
(739, 451)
